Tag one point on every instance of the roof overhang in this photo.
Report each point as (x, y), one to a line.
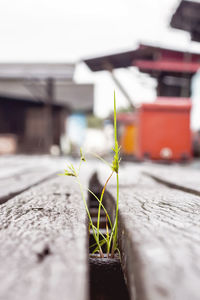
(148, 58)
(117, 60)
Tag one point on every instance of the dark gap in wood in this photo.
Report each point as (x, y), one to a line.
(59, 194)
(94, 212)
(106, 276)
(10, 196)
(43, 254)
(106, 279)
(102, 222)
(172, 185)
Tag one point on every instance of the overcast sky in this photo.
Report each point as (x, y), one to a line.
(66, 31)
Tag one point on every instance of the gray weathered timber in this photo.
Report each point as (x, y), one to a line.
(8, 163)
(15, 164)
(159, 237)
(21, 181)
(18, 173)
(180, 177)
(43, 244)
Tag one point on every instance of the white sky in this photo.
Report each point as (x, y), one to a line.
(66, 31)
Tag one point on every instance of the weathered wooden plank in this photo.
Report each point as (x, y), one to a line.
(176, 176)
(15, 164)
(7, 161)
(19, 182)
(18, 173)
(159, 236)
(43, 243)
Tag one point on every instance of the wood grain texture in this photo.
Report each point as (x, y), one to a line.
(43, 244)
(159, 236)
(18, 173)
(21, 181)
(15, 164)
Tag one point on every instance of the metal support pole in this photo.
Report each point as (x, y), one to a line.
(109, 68)
(49, 113)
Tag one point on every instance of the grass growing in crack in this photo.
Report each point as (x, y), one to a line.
(115, 168)
(110, 239)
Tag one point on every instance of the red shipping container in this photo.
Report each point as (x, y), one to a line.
(163, 130)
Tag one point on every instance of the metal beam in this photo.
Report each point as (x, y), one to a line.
(49, 113)
(109, 68)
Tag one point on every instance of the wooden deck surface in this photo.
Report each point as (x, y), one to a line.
(43, 230)
(159, 229)
(43, 237)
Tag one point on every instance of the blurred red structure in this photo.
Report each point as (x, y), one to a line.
(163, 130)
(187, 17)
(172, 69)
(163, 127)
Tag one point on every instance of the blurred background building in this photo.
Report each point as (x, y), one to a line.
(48, 107)
(35, 100)
(159, 130)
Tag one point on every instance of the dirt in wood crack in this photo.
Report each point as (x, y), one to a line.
(107, 280)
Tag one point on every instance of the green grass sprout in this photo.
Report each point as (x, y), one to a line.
(115, 168)
(110, 238)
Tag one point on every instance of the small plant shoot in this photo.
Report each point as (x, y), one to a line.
(110, 238)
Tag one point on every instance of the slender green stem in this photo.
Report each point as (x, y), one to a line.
(111, 236)
(107, 237)
(114, 246)
(101, 243)
(89, 216)
(100, 204)
(100, 158)
(107, 215)
(101, 234)
(110, 239)
(96, 249)
(116, 166)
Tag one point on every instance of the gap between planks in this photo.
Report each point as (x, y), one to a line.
(172, 185)
(20, 182)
